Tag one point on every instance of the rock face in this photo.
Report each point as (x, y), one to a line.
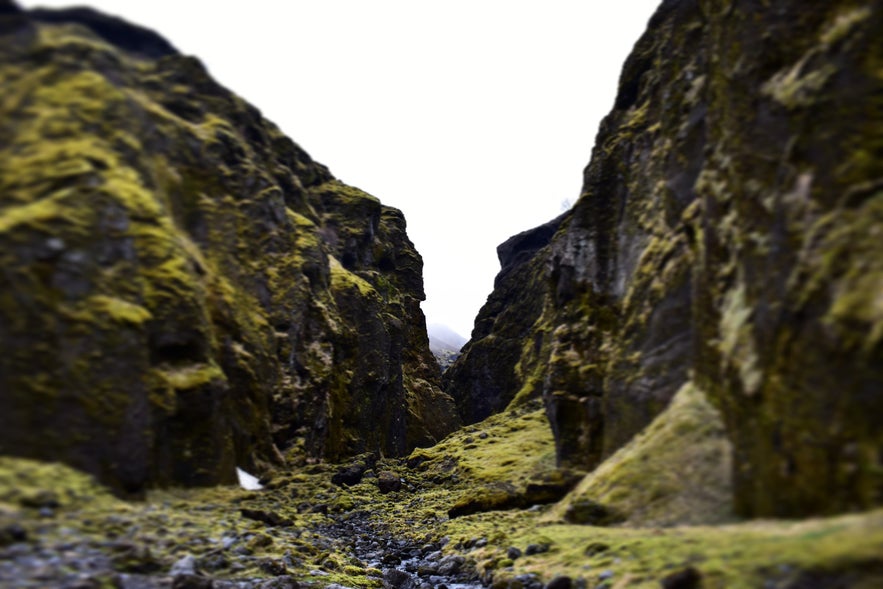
(677, 471)
(493, 366)
(728, 233)
(183, 290)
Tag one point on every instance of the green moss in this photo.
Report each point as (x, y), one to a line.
(300, 222)
(348, 194)
(850, 265)
(531, 387)
(95, 308)
(677, 471)
(747, 555)
(518, 445)
(843, 24)
(737, 345)
(23, 482)
(795, 87)
(736, 556)
(35, 214)
(800, 84)
(163, 237)
(88, 90)
(184, 378)
(342, 279)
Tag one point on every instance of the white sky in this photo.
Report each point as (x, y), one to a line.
(475, 117)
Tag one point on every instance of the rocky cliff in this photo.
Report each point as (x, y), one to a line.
(727, 235)
(183, 290)
(493, 367)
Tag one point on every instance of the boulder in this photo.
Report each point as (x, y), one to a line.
(388, 482)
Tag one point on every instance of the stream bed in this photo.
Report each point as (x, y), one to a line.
(405, 564)
(71, 561)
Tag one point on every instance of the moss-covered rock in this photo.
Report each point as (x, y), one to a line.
(728, 229)
(494, 368)
(183, 289)
(678, 471)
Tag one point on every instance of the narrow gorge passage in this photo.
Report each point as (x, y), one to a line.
(676, 383)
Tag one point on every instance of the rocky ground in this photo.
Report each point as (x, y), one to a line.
(479, 509)
(186, 292)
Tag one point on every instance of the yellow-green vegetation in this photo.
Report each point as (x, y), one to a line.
(171, 524)
(172, 263)
(858, 298)
(518, 444)
(113, 308)
(737, 556)
(673, 476)
(675, 472)
(491, 464)
(342, 278)
(799, 84)
(347, 194)
(727, 234)
(29, 484)
(737, 345)
(286, 526)
(190, 377)
(186, 291)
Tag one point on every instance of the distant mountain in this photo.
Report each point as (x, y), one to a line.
(444, 343)
(442, 337)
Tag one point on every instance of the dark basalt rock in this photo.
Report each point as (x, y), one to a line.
(8, 7)
(688, 578)
(727, 233)
(116, 31)
(268, 517)
(486, 376)
(349, 475)
(502, 496)
(183, 289)
(560, 582)
(587, 512)
(388, 482)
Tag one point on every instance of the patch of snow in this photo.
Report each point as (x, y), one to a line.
(247, 481)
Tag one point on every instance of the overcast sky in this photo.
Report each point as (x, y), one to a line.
(475, 117)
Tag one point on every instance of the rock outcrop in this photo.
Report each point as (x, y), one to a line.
(182, 288)
(494, 366)
(728, 234)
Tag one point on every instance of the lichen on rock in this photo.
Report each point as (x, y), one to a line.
(727, 234)
(184, 290)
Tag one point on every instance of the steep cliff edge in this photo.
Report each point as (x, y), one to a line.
(182, 288)
(728, 234)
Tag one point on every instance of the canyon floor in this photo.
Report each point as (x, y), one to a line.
(478, 509)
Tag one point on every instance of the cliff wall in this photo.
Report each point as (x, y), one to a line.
(183, 290)
(728, 235)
